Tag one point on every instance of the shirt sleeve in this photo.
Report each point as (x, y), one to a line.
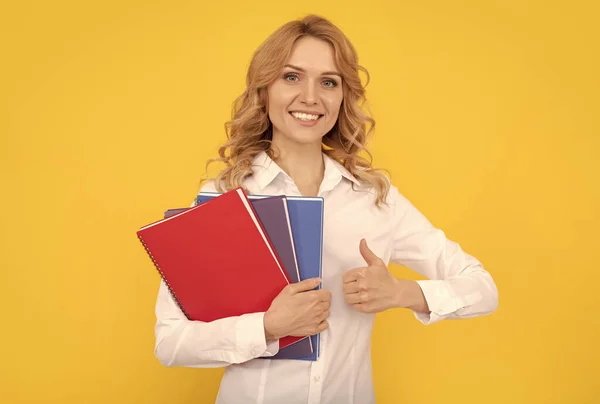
(219, 343)
(457, 285)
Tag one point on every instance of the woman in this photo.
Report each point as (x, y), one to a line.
(298, 130)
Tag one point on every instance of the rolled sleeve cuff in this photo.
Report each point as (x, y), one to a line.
(272, 349)
(250, 337)
(441, 300)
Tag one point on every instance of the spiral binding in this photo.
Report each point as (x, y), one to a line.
(164, 278)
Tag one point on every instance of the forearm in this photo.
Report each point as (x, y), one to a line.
(216, 344)
(472, 293)
(181, 342)
(410, 296)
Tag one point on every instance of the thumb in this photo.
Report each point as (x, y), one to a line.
(368, 255)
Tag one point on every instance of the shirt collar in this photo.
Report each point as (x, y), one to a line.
(265, 170)
(336, 168)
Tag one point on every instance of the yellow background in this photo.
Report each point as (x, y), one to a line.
(487, 118)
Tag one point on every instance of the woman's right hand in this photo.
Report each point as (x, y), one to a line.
(298, 311)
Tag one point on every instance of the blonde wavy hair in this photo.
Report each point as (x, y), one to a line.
(249, 132)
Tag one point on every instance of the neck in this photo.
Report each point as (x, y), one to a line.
(304, 165)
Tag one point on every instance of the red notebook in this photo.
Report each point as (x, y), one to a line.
(217, 259)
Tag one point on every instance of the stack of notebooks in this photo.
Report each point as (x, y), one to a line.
(232, 253)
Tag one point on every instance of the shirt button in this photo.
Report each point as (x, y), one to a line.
(316, 379)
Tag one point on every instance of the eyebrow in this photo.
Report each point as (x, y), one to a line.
(324, 73)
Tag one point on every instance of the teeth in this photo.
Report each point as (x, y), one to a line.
(305, 117)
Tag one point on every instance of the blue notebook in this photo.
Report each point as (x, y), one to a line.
(306, 218)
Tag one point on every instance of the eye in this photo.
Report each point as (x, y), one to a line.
(330, 83)
(290, 75)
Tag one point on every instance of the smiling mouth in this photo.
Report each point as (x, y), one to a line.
(306, 117)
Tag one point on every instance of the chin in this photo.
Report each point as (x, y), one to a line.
(306, 140)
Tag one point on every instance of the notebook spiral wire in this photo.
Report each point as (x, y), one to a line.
(162, 275)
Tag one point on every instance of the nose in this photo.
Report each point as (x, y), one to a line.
(309, 93)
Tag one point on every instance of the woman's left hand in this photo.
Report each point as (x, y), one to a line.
(373, 288)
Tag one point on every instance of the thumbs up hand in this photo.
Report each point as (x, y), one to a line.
(373, 288)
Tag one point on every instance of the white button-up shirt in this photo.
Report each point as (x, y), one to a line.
(457, 286)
